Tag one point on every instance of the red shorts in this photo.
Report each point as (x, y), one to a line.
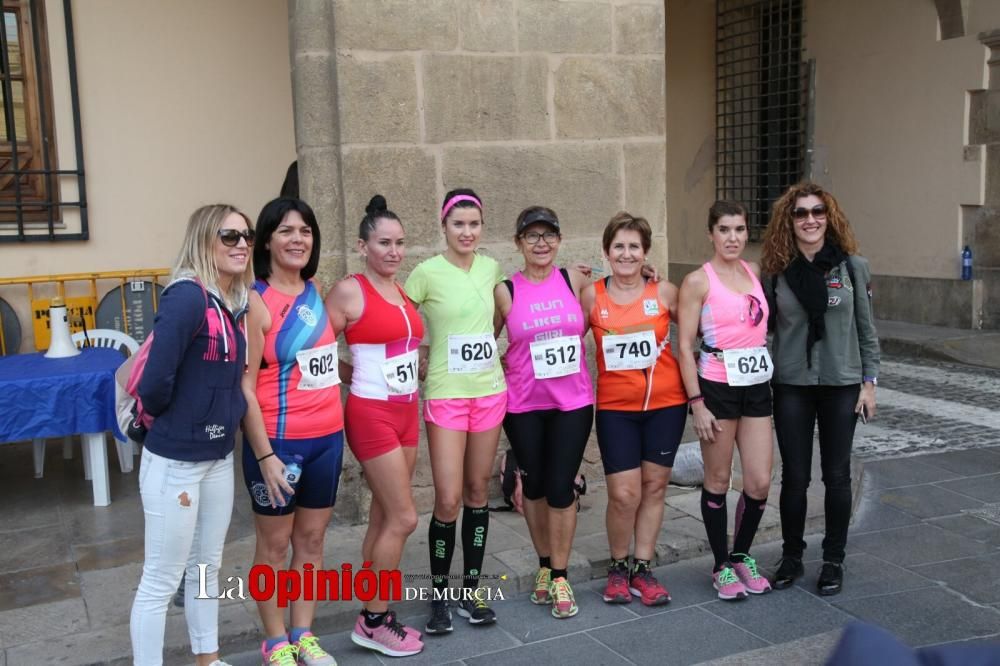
(375, 427)
(467, 414)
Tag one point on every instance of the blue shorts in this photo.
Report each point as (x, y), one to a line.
(626, 439)
(322, 458)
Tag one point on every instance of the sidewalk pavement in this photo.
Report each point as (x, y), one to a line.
(70, 570)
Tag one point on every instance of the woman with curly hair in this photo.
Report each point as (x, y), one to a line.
(826, 362)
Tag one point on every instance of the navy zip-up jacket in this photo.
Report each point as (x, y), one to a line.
(191, 382)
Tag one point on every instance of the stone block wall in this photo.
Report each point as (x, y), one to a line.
(550, 102)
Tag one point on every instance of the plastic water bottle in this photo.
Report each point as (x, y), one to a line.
(966, 263)
(293, 472)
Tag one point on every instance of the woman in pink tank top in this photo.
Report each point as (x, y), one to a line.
(550, 399)
(730, 397)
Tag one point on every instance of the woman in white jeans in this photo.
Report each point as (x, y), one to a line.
(191, 385)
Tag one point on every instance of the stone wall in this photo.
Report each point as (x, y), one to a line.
(525, 101)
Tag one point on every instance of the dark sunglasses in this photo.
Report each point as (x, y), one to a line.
(755, 310)
(818, 212)
(231, 237)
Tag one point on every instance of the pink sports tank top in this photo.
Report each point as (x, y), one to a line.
(730, 320)
(383, 344)
(543, 313)
(300, 331)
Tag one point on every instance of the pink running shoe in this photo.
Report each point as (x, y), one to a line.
(410, 630)
(729, 586)
(282, 654)
(616, 591)
(645, 586)
(746, 569)
(390, 638)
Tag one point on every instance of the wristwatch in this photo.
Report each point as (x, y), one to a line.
(873, 380)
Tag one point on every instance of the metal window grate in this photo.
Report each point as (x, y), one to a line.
(35, 194)
(761, 94)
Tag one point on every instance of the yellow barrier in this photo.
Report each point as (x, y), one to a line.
(82, 309)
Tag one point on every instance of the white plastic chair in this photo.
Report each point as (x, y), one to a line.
(108, 338)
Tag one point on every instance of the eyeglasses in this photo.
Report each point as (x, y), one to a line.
(818, 212)
(754, 309)
(532, 237)
(231, 237)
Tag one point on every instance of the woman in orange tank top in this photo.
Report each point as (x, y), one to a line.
(641, 404)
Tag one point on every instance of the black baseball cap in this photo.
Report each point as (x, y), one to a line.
(536, 216)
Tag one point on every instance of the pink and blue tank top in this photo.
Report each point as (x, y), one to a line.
(730, 320)
(300, 329)
(544, 312)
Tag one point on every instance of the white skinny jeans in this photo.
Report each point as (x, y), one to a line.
(187, 507)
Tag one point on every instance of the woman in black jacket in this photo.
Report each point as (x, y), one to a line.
(826, 362)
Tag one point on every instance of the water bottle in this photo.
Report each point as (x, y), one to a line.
(293, 472)
(966, 263)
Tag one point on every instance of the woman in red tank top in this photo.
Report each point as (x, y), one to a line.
(384, 330)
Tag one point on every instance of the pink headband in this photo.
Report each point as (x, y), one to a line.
(457, 198)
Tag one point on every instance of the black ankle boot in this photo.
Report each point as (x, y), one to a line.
(831, 578)
(789, 569)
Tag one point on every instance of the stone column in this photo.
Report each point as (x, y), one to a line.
(315, 101)
(317, 126)
(984, 235)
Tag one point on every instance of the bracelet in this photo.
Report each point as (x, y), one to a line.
(265, 457)
(695, 399)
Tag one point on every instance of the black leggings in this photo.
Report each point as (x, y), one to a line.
(797, 409)
(548, 445)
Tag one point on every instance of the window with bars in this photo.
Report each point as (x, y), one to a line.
(761, 98)
(35, 194)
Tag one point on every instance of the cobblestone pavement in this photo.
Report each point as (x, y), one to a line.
(929, 406)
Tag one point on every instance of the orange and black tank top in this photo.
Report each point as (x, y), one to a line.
(636, 370)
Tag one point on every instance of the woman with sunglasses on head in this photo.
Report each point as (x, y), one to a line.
(294, 419)
(729, 396)
(641, 404)
(191, 385)
(384, 331)
(465, 399)
(826, 363)
(550, 402)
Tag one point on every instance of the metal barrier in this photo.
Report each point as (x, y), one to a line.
(83, 309)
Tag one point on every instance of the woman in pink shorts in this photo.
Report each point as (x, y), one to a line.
(465, 400)
(384, 331)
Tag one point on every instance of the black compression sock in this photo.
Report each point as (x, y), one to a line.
(748, 515)
(441, 543)
(475, 527)
(713, 513)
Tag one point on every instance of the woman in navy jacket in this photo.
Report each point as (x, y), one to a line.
(191, 385)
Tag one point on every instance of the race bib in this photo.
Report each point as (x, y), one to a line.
(400, 373)
(318, 367)
(471, 353)
(633, 351)
(746, 367)
(557, 357)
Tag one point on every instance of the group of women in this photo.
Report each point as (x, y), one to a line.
(244, 337)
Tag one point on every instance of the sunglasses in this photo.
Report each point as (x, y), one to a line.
(231, 237)
(754, 309)
(818, 212)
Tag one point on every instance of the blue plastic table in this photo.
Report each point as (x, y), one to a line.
(52, 397)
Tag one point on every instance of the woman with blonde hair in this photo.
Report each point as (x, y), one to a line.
(826, 362)
(191, 385)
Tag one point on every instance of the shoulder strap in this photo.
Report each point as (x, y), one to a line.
(565, 274)
(510, 288)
